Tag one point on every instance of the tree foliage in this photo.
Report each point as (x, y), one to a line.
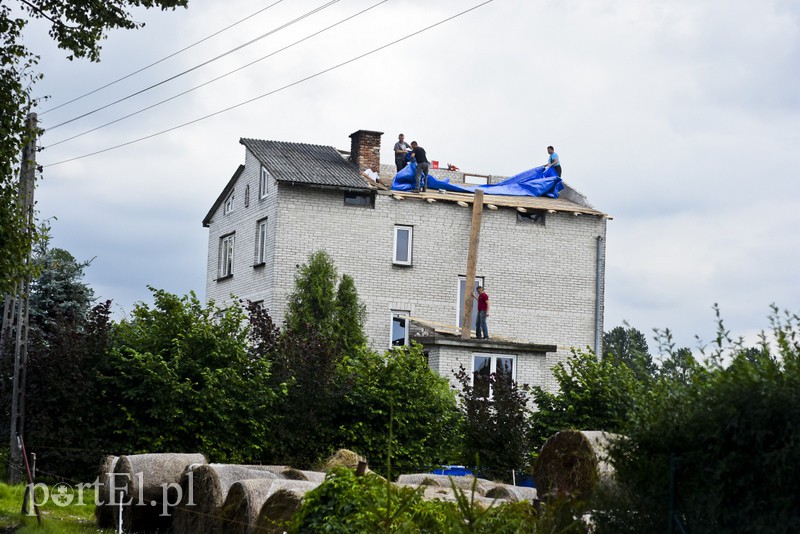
(180, 378)
(625, 344)
(731, 428)
(593, 394)
(496, 427)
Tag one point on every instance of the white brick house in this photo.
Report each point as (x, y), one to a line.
(543, 269)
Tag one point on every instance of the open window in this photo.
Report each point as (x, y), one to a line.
(399, 328)
(403, 236)
(462, 284)
(261, 242)
(226, 248)
(263, 183)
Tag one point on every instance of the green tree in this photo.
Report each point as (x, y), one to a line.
(593, 394)
(629, 346)
(398, 390)
(731, 430)
(496, 426)
(182, 377)
(77, 26)
(350, 316)
(312, 304)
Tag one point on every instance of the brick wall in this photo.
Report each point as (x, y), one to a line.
(365, 148)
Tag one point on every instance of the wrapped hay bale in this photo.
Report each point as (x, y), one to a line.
(239, 512)
(150, 481)
(285, 497)
(512, 493)
(104, 512)
(574, 463)
(307, 476)
(204, 489)
(445, 481)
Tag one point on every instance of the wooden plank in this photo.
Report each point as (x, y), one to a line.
(472, 261)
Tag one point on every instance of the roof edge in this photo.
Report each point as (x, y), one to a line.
(222, 196)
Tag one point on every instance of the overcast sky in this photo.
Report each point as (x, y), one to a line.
(680, 119)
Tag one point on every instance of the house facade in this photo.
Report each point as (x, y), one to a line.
(541, 260)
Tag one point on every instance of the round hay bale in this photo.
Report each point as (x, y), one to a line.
(343, 458)
(308, 476)
(573, 463)
(284, 499)
(104, 511)
(238, 513)
(204, 489)
(464, 483)
(511, 493)
(142, 477)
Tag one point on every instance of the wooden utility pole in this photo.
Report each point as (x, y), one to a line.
(16, 311)
(472, 262)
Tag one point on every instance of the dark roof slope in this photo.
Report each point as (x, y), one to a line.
(301, 163)
(222, 196)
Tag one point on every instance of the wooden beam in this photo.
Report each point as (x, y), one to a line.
(472, 262)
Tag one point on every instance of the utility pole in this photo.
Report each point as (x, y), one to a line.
(472, 261)
(15, 310)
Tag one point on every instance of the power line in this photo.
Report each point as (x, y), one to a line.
(279, 28)
(109, 84)
(120, 119)
(240, 104)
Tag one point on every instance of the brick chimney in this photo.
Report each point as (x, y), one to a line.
(365, 148)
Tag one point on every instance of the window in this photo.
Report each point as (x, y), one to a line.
(366, 200)
(477, 179)
(226, 256)
(399, 332)
(228, 204)
(483, 365)
(261, 242)
(263, 183)
(462, 283)
(247, 196)
(532, 216)
(402, 245)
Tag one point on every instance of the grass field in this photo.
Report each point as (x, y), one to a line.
(72, 519)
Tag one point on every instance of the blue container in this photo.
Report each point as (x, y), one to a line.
(453, 471)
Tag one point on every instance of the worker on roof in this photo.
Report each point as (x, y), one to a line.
(421, 174)
(401, 149)
(553, 161)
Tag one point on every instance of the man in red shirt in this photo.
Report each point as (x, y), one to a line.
(483, 313)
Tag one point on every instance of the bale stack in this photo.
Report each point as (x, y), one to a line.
(444, 481)
(284, 498)
(240, 511)
(305, 476)
(104, 512)
(205, 488)
(511, 493)
(143, 478)
(573, 463)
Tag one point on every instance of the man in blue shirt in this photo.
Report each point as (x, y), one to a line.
(553, 161)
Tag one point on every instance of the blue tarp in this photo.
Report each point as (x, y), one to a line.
(534, 182)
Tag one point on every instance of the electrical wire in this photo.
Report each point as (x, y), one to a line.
(109, 84)
(187, 71)
(297, 82)
(120, 119)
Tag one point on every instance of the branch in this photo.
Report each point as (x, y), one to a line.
(39, 10)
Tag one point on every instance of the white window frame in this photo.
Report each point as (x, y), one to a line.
(493, 365)
(261, 242)
(480, 280)
(227, 246)
(394, 315)
(228, 205)
(263, 183)
(397, 229)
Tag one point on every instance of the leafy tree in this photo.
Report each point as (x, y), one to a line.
(629, 346)
(731, 430)
(593, 394)
(398, 406)
(181, 378)
(77, 26)
(496, 428)
(312, 304)
(350, 315)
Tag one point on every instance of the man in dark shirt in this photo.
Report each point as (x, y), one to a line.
(400, 150)
(418, 155)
